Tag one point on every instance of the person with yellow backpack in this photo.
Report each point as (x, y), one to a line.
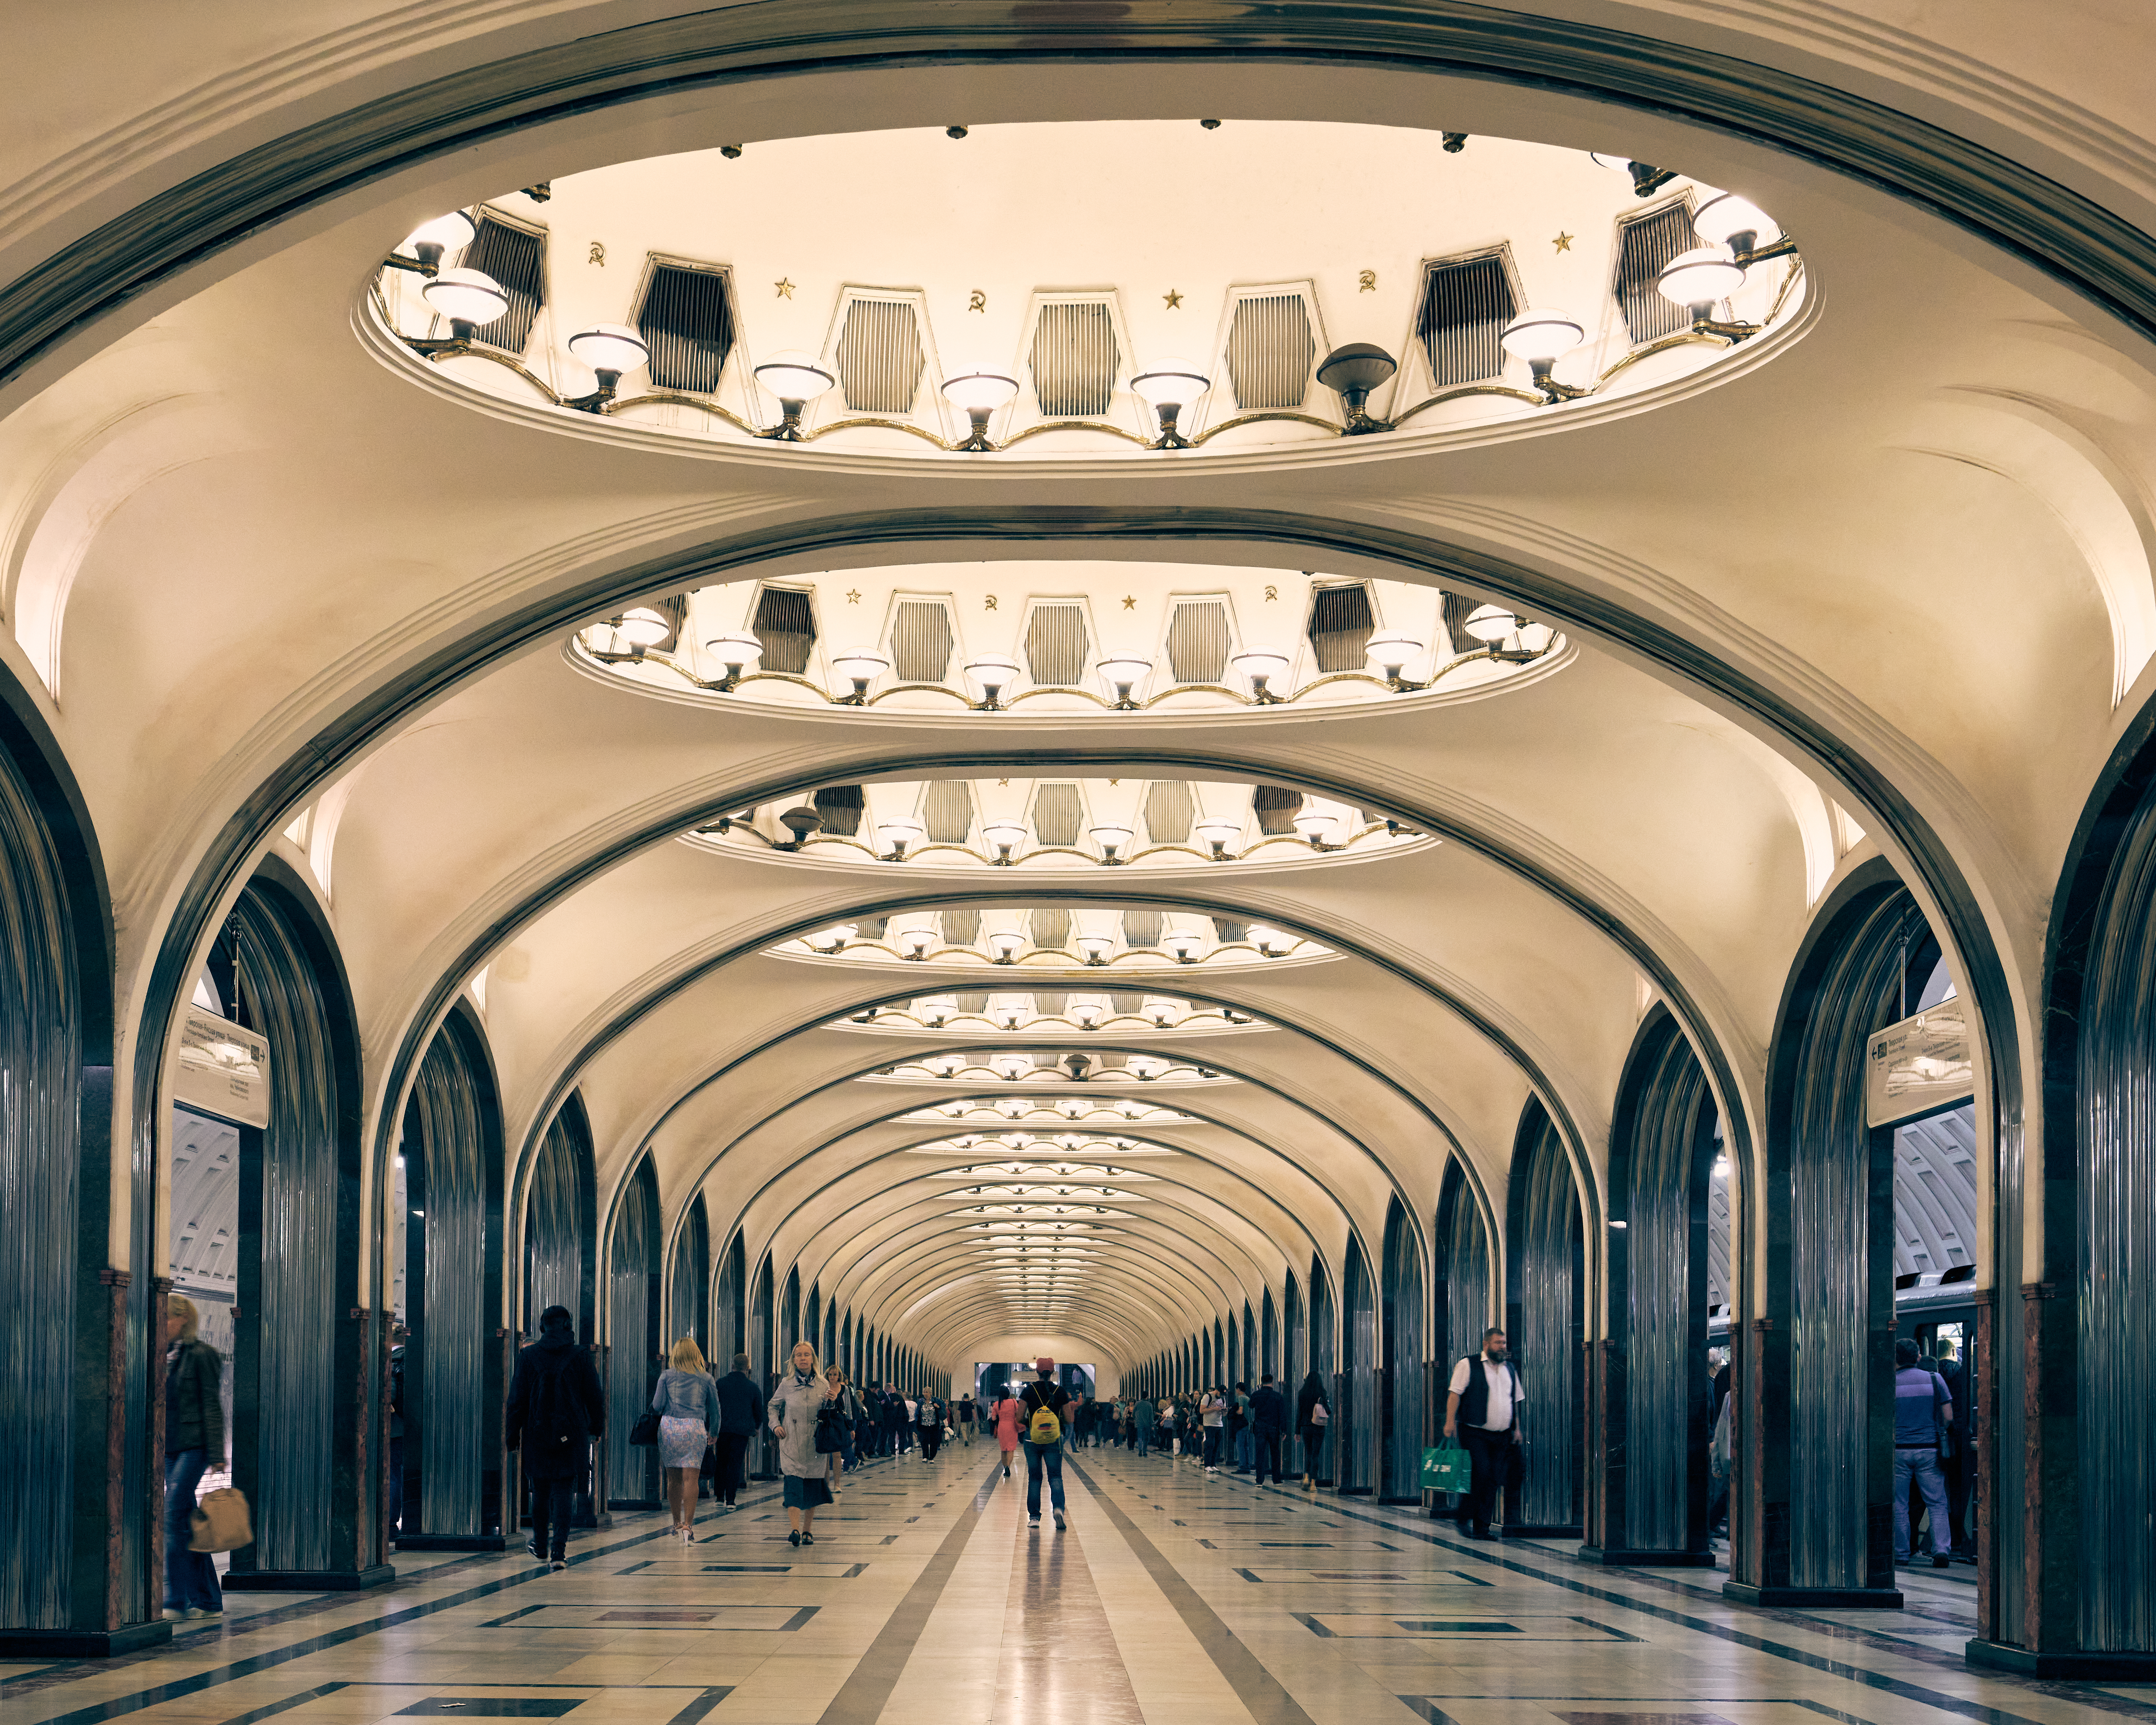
(1042, 1410)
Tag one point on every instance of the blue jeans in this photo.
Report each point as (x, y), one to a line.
(1923, 1466)
(1140, 1436)
(1212, 1446)
(1038, 1455)
(1242, 1446)
(190, 1576)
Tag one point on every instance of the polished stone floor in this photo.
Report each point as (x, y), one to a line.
(1173, 1598)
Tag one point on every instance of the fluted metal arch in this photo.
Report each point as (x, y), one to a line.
(1546, 1288)
(633, 1342)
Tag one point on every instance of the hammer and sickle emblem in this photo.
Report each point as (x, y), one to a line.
(1368, 280)
(977, 301)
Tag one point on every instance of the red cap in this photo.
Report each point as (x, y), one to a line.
(1043, 1364)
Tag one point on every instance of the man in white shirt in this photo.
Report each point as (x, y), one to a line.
(1482, 1409)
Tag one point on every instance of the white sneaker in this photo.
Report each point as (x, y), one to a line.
(1033, 1522)
(1060, 1524)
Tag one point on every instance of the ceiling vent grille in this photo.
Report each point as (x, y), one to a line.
(1075, 361)
(920, 641)
(1169, 809)
(962, 928)
(1230, 928)
(1270, 349)
(880, 358)
(517, 257)
(1141, 928)
(1056, 644)
(1128, 1003)
(1453, 610)
(1051, 928)
(840, 805)
(1198, 641)
(686, 318)
(786, 623)
(1056, 813)
(1277, 807)
(947, 810)
(1645, 248)
(1465, 306)
(1341, 625)
(970, 1000)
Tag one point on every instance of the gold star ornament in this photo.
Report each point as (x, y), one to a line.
(853, 595)
(1562, 242)
(1174, 296)
(785, 288)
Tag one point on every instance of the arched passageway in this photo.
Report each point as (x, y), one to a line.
(635, 1352)
(1546, 1317)
(1404, 1416)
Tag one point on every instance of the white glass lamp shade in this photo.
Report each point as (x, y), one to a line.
(610, 347)
(1006, 943)
(794, 376)
(1218, 829)
(1173, 383)
(1700, 276)
(1094, 947)
(1315, 824)
(469, 297)
(916, 942)
(1720, 221)
(642, 627)
(1109, 837)
(1183, 942)
(450, 232)
(829, 939)
(1267, 941)
(861, 664)
(1087, 1016)
(992, 670)
(1542, 336)
(1162, 1015)
(1261, 665)
(898, 833)
(1003, 834)
(979, 391)
(737, 652)
(1123, 671)
(1392, 651)
(1491, 622)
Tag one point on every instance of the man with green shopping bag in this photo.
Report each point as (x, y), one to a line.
(1482, 1407)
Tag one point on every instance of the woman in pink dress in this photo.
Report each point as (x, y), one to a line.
(1007, 1432)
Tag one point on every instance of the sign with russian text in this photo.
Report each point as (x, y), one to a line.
(1918, 1066)
(222, 1070)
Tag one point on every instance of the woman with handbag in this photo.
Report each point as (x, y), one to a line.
(687, 1403)
(195, 1442)
(1311, 1417)
(796, 1411)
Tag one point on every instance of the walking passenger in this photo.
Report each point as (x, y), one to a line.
(1003, 1413)
(838, 1461)
(1141, 1423)
(796, 1403)
(555, 1409)
(962, 1411)
(1922, 1410)
(1268, 1424)
(687, 1403)
(1044, 1406)
(740, 1417)
(1311, 1417)
(928, 1419)
(1482, 1409)
(1238, 1427)
(194, 1443)
(1213, 1412)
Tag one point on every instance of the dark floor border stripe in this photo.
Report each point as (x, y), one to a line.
(860, 1699)
(1261, 1692)
(1980, 1711)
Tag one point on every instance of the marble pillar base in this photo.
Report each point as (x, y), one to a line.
(1816, 1599)
(82, 1644)
(1644, 1559)
(2074, 1667)
(308, 1581)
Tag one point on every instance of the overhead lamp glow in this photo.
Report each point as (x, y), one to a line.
(739, 653)
(1182, 945)
(1732, 220)
(1260, 666)
(1005, 945)
(471, 298)
(1391, 652)
(832, 940)
(642, 627)
(897, 834)
(1111, 838)
(1219, 831)
(794, 379)
(1543, 338)
(860, 666)
(610, 350)
(449, 233)
(1094, 948)
(1006, 836)
(1490, 624)
(1646, 178)
(1123, 673)
(992, 673)
(1700, 277)
(980, 393)
(1168, 389)
(1316, 824)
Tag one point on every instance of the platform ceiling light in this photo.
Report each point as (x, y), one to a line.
(992, 673)
(1220, 831)
(740, 654)
(1646, 178)
(1352, 371)
(1696, 280)
(612, 351)
(1087, 1016)
(1094, 948)
(430, 240)
(1543, 338)
(1182, 945)
(1006, 836)
(1734, 220)
(1259, 666)
(1004, 945)
(642, 627)
(1123, 672)
(1111, 838)
(860, 666)
(1271, 941)
(832, 939)
(980, 393)
(1490, 624)
(471, 298)
(1168, 389)
(1316, 824)
(794, 379)
(1391, 652)
(897, 834)
(1161, 1012)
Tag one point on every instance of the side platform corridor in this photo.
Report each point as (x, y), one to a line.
(1171, 1597)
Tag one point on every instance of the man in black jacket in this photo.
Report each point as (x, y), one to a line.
(740, 1417)
(1267, 1424)
(555, 1409)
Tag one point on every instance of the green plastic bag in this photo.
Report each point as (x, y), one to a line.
(1447, 1469)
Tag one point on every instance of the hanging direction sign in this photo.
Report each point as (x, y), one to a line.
(1918, 1066)
(222, 1070)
